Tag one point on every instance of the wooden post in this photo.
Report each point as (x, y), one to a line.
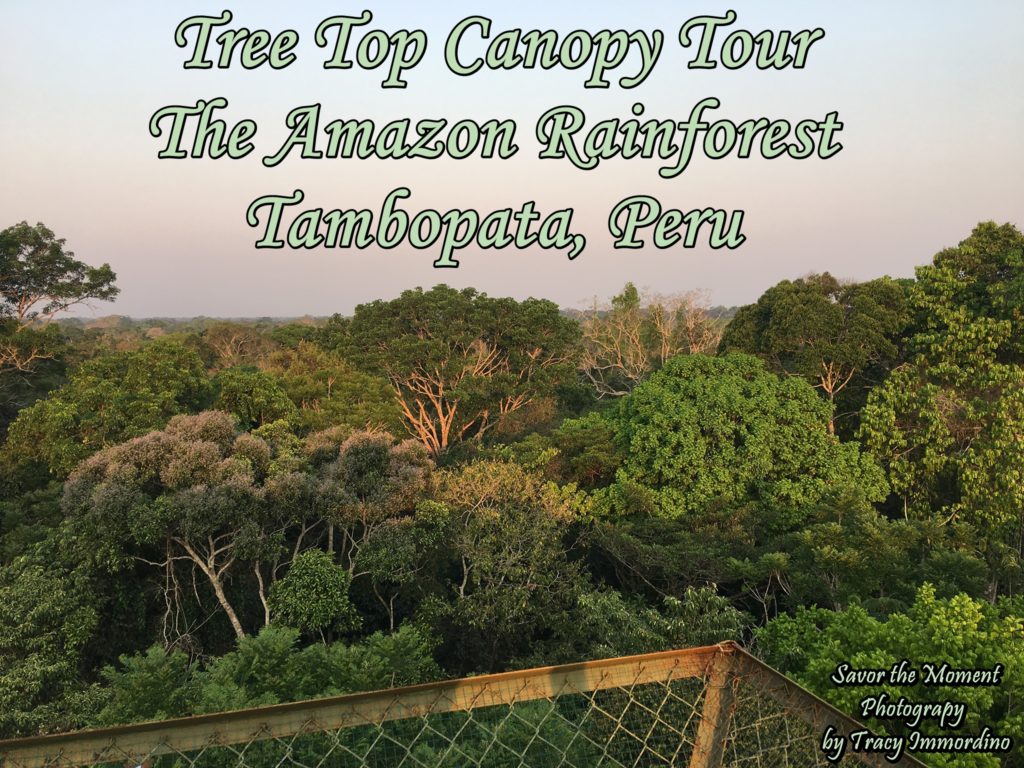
(713, 731)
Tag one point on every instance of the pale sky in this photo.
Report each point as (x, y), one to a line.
(930, 95)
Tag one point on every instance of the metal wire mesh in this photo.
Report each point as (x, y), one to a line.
(703, 708)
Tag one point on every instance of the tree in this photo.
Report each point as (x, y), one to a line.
(504, 530)
(27, 519)
(848, 552)
(38, 280)
(194, 493)
(20, 389)
(724, 430)
(399, 560)
(459, 361)
(107, 400)
(155, 685)
(616, 356)
(267, 668)
(235, 344)
(291, 335)
(329, 392)
(580, 451)
(605, 624)
(831, 333)
(721, 460)
(635, 335)
(982, 278)
(313, 595)
(373, 482)
(654, 556)
(45, 620)
(681, 323)
(947, 426)
(253, 396)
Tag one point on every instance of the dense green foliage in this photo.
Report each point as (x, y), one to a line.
(330, 392)
(840, 337)
(107, 400)
(948, 424)
(313, 595)
(960, 632)
(723, 430)
(254, 397)
(206, 514)
(267, 668)
(45, 619)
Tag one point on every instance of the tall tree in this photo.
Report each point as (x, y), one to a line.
(982, 277)
(372, 482)
(39, 278)
(235, 344)
(505, 529)
(720, 459)
(948, 425)
(829, 332)
(255, 397)
(459, 361)
(195, 493)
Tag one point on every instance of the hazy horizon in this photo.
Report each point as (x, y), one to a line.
(932, 122)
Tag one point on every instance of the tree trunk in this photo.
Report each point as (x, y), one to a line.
(218, 590)
(209, 570)
(263, 594)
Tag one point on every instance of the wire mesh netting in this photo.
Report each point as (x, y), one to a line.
(704, 708)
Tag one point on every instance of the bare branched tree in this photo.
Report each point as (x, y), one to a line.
(235, 343)
(635, 334)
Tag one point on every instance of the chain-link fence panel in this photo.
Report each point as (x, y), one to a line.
(707, 707)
